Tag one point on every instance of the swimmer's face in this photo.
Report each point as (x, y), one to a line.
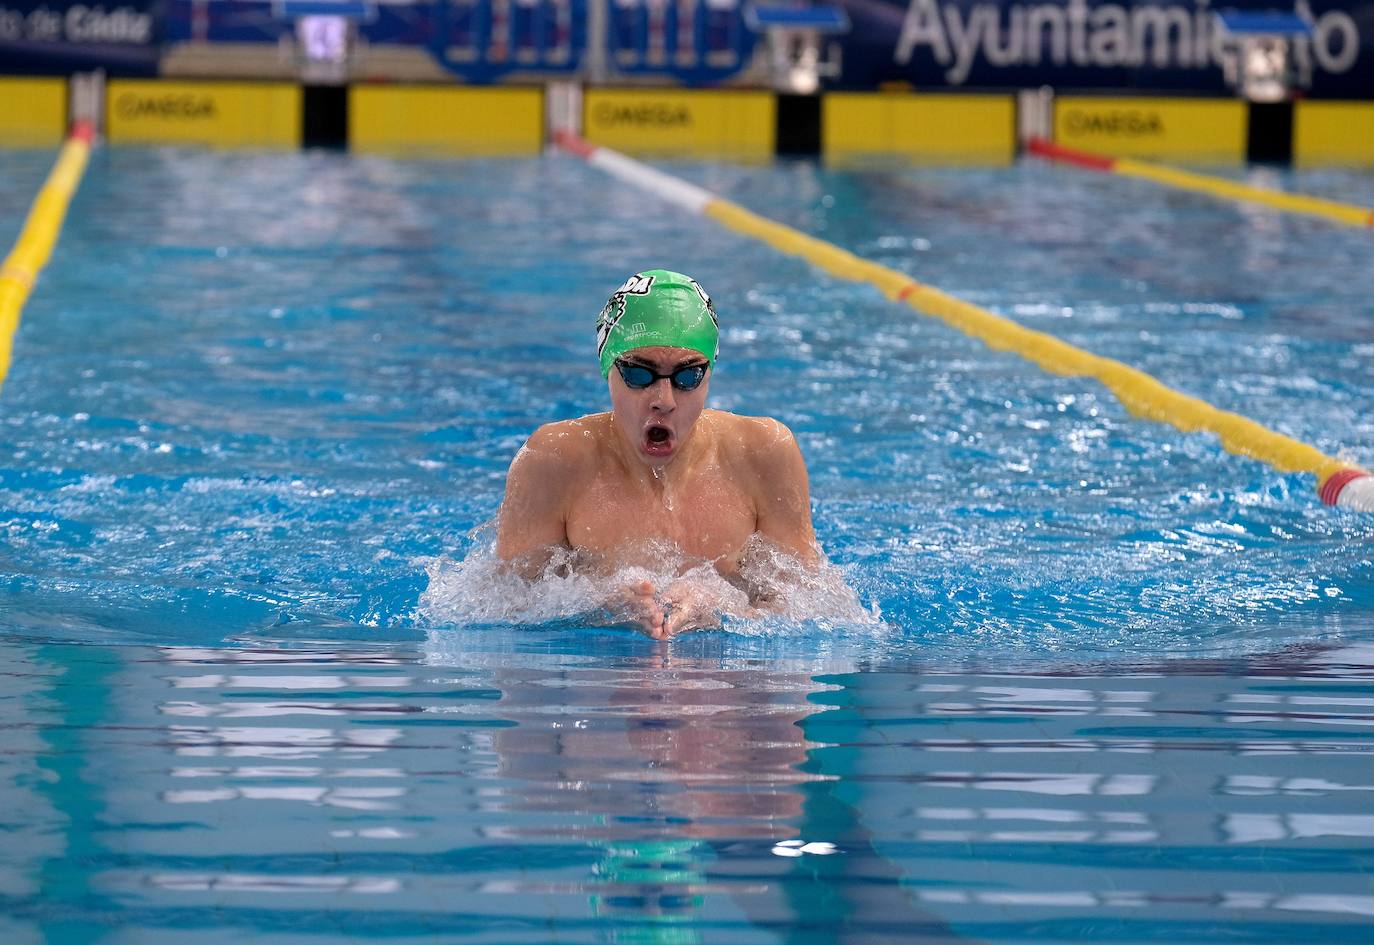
(657, 420)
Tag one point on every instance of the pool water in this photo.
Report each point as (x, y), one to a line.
(1104, 681)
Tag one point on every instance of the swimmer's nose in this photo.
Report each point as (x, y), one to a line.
(662, 399)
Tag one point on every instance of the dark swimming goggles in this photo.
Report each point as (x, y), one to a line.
(638, 377)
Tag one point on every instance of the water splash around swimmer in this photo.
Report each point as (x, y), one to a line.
(479, 588)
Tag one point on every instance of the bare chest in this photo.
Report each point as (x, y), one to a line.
(708, 517)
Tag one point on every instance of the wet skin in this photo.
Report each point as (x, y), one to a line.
(657, 469)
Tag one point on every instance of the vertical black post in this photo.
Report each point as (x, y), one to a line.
(1269, 139)
(799, 125)
(324, 116)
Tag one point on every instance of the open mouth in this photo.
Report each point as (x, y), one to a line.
(658, 440)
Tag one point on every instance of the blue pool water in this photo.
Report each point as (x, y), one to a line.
(1104, 681)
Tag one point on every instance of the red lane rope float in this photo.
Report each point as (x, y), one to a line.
(1055, 152)
(1338, 481)
(571, 142)
(1205, 183)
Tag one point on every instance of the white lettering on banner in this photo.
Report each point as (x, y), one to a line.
(96, 25)
(1110, 43)
(1105, 36)
(78, 24)
(1347, 47)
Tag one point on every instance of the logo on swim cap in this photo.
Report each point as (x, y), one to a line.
(669, 310)
(638, 284)
(710, 306)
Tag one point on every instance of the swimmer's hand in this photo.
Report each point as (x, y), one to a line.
(686, 606)
(639, 606)
(680, 607)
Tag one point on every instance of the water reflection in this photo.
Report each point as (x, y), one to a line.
(475, 782)
(668, 746)
(641, 792)
(663, 765)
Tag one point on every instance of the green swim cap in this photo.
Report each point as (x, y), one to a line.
(657, 307)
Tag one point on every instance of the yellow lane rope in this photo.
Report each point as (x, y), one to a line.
(1207, 184)
(1220, 187)
(1141, 394)
(35, 244)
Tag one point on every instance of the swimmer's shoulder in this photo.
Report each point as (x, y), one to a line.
(763, 442)
(566, 445)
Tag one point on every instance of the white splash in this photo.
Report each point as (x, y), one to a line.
(479, 589)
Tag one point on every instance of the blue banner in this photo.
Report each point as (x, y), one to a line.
(483, 40)
(123, 37)
(1077, 44)
(691, 42)
(1108, 45)
(695, 43)
(477, 40)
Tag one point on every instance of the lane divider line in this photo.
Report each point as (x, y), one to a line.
(1338, 482)
(1220, 187)
(38, 237)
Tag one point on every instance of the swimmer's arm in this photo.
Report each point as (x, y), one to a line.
(533, 519)
(783, 494)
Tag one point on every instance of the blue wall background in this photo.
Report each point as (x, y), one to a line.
(1164, 45)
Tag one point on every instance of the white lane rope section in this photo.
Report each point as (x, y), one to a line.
(1358, 494)
(688, 196)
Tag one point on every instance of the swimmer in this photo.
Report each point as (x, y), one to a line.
(659, 470)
